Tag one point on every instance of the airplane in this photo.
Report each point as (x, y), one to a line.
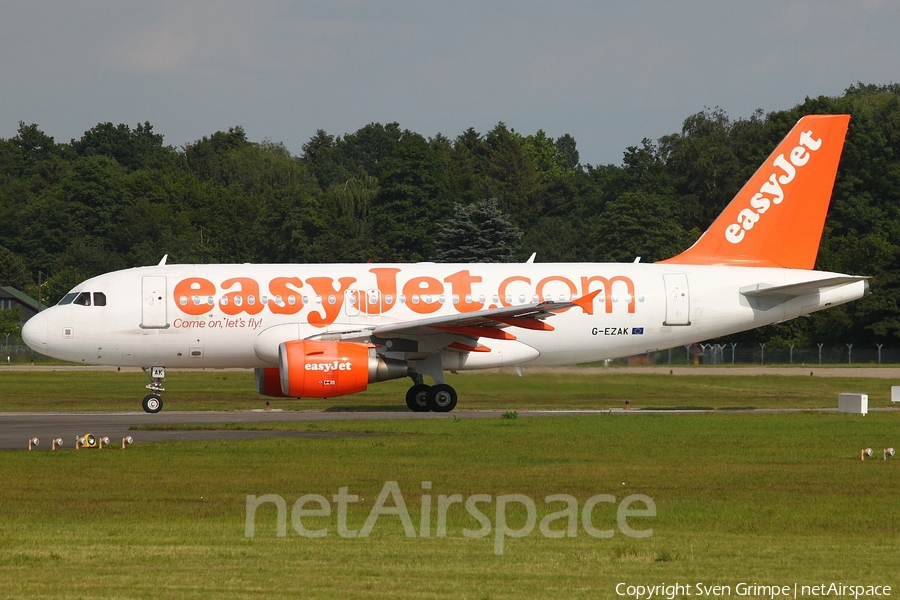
(328, 330)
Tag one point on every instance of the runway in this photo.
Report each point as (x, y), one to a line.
(17, 427)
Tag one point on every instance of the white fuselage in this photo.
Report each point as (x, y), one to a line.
(236, 315)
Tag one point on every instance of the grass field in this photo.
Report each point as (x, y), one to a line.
(771, 499)
(235, 390)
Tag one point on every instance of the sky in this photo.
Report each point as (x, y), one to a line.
(608, 73)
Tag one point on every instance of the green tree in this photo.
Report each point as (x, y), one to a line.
(132, 148)
(52, 289)
(706, 171)
(567, 152)
(320, 155)
(13, 271)
(410, 200)
(477, 232)
(466, 166)
(513, 177)
(11, 325)
(638, 224)
(207, 158)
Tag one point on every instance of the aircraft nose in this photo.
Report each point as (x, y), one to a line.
(34, 332)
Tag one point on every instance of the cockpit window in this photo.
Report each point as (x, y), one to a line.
(84, 299)
(67, 299)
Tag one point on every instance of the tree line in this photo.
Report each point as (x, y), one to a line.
(120, 197)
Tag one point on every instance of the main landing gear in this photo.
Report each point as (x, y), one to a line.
(422, 397)
(152, 402)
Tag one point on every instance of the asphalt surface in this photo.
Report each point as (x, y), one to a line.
(16, 428)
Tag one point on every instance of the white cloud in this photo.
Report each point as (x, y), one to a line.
(155, 51)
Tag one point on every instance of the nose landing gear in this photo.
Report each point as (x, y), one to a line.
(153, 402)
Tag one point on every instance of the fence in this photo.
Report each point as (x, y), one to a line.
(695, 354)
(19, 353)
(762, 354)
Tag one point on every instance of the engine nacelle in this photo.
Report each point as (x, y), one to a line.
(324, 369)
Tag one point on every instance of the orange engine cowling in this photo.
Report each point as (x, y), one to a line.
(323, 369)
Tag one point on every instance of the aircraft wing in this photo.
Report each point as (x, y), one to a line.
(489, 323)
(462, 331)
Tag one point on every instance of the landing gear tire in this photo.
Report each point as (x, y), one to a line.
(441, 398)
(152, 403)
(416, 398)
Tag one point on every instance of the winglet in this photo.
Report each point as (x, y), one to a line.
(585, 301)
(776, 220)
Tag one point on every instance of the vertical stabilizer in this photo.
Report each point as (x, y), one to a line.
(777, 218)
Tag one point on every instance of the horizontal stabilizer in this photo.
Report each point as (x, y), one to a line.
(793, 290)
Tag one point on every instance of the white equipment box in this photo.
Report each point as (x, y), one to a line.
(853, 403)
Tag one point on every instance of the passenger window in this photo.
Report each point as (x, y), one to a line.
(99, 299)
(84, 299)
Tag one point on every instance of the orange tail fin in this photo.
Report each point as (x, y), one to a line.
(776, 220)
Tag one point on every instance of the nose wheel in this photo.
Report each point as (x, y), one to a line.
(152, 402)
